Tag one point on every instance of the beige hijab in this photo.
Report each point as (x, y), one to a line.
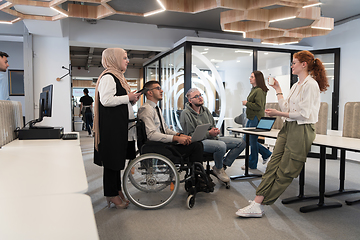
(111, 61)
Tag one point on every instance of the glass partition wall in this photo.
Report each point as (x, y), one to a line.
(222, 76)
(172, 83)
(221, 73)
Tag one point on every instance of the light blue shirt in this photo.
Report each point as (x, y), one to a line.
(4, 86)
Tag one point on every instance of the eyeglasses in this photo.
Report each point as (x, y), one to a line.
(158, 88)
(197, 96)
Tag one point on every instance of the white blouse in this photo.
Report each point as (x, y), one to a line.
(303, 102)
(107, 91)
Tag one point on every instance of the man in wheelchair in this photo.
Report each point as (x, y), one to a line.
(175, 146)
(158, 131)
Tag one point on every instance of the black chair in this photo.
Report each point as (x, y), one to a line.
(151, 180)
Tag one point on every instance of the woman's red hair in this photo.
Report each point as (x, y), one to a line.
(315, 67)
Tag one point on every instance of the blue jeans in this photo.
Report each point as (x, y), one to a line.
(256, 147)
(221, 146)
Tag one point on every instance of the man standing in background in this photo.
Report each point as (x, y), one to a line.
(4, 88)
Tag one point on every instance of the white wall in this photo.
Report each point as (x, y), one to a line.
(347, 37)
(50, 54)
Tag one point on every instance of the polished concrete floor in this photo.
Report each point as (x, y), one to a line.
(213, 216)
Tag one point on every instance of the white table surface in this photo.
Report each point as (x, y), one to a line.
(55, 217)
(352, 144)
(35, 171)
(42, 143)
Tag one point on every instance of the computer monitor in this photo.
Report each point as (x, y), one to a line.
(45, 106)
(48, 100)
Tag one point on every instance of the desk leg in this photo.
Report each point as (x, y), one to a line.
(321, 204)
(301, 196)
(342, 179)
(246, 175)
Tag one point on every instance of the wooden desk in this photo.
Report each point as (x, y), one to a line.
(56, 217)
(346, 144)
(42, 170)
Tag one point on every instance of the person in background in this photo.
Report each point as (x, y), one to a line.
(86, 109)
(4, 87)
(300, 110)
(158, 131)
(255, 107)
(114, 139)
(196, 114)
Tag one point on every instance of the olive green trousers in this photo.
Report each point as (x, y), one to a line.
(291, 148)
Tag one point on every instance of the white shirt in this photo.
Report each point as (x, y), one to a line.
(107, 91)
(149, 115)
(303, 102)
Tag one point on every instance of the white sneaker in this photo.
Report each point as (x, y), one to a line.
(220, 173)
(253, 210)
(266, 160)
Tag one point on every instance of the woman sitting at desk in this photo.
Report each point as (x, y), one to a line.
(301, 110)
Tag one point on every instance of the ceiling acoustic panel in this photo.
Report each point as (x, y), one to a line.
(272, 21)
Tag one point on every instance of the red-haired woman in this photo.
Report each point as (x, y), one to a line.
(300, 110)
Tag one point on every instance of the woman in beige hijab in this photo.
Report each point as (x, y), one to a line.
(114, 143)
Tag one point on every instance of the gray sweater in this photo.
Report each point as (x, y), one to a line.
(189, 119)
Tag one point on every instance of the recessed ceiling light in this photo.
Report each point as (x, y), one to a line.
(322, 28)
(5, 22)
(282, 19)
(312, 5)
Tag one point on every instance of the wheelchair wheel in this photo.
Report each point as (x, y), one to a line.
(151, 181)
(190, 201)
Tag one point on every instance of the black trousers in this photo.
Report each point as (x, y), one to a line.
(112, 178)
(193, 151)
(89, 121)
(111, 182)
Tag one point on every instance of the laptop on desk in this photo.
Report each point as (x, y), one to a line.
(200, 132)
(265, 124)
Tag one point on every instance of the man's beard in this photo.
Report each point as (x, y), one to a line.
(199, 104)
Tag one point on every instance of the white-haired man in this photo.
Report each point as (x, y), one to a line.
(196, 114)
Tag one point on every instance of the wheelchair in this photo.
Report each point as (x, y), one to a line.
(151, 180)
